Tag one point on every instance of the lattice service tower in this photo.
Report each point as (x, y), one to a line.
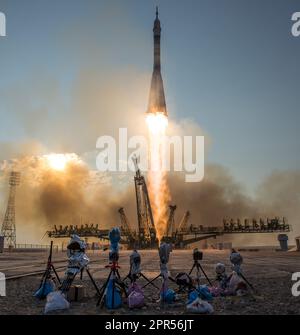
(8, 229)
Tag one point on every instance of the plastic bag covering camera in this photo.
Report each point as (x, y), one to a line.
(77, 257)
(135, 263)
(220, 268)
(236, 259)
(221, 275)
(114, 238)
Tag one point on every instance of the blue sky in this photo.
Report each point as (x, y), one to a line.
(232, 66)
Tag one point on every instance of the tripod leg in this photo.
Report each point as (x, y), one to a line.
(56, 275)
(198, 274)
(128, 276)
(246, 280)
(151, 281)
(205, 274)
(113, 292)
(121, 283)
(44, 278)
(66, 284)
(118, 275)
(92, 280)
(103, 289)
(192, 269)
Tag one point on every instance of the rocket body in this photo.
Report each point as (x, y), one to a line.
(157, 102)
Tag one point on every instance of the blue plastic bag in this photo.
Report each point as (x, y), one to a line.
(113, 301)
(46, 288)
(168, 296)
(204, 293)
(193, 295)
(201, 292)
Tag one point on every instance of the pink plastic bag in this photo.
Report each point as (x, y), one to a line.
(135, 296)
(134, 287)
(216, 291)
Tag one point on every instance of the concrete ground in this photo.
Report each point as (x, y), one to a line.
(270, 272)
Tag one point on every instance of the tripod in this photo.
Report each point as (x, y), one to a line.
(114, 275)
(158, 276)
(239, 273)
(237, 268)
(47, 274)
(199, 268)
(135, 276)
(65, 287)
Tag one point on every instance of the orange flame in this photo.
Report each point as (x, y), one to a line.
(157, 177)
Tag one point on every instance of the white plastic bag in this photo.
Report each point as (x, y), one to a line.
(56, 301)
(200, 306)
(234, 282)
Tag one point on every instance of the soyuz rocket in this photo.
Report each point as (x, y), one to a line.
(157, 102)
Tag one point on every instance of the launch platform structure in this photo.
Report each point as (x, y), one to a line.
(8, 229)
(146, 228)
(171, 221)
(183, 224)
(126, 229)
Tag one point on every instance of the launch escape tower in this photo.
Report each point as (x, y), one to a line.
(8, 229)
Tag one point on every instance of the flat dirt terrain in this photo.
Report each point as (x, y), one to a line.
(269, 272)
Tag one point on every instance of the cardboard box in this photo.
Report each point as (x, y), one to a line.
(76, 293)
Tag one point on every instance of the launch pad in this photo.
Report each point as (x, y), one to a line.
(181, 235)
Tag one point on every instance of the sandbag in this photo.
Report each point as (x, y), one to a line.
(199, 306)
(47, 287)
(168, 296)
(217, 291)
(56, 301)
(136, 300)
(234, 282)
(134, 287)
(202, 291)
(113, 297)
(135, 296)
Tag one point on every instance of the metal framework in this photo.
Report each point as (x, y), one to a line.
(146, 227)
(8, 229)
(256, 226)
(184, 221)
(171, 221)
(182, 236)
(126, 228)
(86, 230)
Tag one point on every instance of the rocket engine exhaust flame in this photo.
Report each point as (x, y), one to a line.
(157, 176)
